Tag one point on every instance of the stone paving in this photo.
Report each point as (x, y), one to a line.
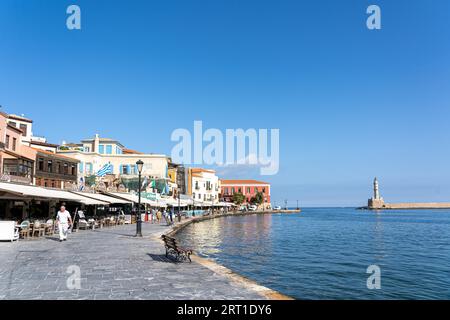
(113, 264)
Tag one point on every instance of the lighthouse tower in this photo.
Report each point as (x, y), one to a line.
(376, 201)
(376, 191)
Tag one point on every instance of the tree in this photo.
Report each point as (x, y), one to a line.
(238, 198)
(258, 198)
(90, 180)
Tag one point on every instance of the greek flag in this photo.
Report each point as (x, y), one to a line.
(107, 169)
(144, 183)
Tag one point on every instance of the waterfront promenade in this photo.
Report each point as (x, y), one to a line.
(114, 265)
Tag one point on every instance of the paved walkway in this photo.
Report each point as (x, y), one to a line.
(113, 265)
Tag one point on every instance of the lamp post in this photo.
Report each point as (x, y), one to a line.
(140, 165)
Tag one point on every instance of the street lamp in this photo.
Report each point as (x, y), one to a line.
(139, 165)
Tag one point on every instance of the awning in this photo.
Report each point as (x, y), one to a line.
(34, 192)
(135, 199)
(103, 198)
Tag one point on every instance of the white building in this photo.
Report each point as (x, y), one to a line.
(95, 153)
(203, 185)
(22, 123)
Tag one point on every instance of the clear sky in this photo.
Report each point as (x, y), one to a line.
(350, 103)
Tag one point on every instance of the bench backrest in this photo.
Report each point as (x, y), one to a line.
(170, 242)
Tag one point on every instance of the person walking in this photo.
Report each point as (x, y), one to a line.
(64, 221)
(158, 216)
(171, 215)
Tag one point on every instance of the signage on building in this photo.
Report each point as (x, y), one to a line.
(149, 195)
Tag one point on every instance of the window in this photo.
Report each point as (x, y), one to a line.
(248, 190)
(232, 190)
(50, 166)
(14, 144)
(66, 168)
(109, 149)
(7, 141)
(199, 196)
(89, 168)
(41, 164)
(263, 190)
(24, 128)
(87, 149)
(81, 167)
(13, 124)
(58, 167)
(73, 170)
(15, 167)
(196, 185)
(225, 191)
(118, 150)
(101, 149)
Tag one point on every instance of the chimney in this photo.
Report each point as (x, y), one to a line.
(96, 145)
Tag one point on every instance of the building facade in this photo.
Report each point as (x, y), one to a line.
(25, 125)
(203, 185)
(16, 159)
(55, 170)
(94, 154)
(177, 178)
(249, 188)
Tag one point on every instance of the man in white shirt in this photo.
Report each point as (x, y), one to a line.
(64, 221)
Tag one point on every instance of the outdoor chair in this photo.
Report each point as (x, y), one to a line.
(83, 224)
(25, 229)
(49, 227)
(112, 221)
(38, 229)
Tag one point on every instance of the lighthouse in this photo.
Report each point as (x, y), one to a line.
(376, 191)
(376, 202)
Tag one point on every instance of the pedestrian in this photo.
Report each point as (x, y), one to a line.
(64, 221)
(171, 215)
(158, 216)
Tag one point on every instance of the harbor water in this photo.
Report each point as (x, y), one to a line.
(324, 253)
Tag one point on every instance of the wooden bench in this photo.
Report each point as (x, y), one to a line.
(172, 248)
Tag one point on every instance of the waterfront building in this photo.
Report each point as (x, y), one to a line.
(16, 159)
(25, 125)
(55, 170)
(203, 185)
(42, 144)
(177, 179)
(249, 188)
(94, 154)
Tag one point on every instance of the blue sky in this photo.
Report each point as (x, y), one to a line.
(350, 103)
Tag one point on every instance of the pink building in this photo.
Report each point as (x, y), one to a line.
(249, 188)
